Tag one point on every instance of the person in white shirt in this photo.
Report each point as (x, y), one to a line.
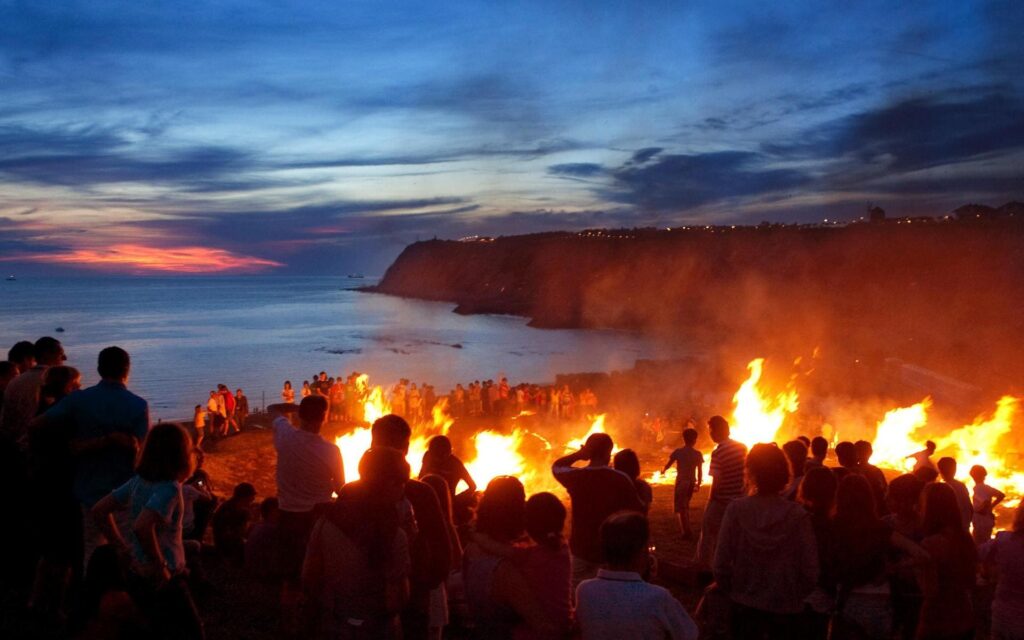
(984, 499)
(309, 472)
(618, 603)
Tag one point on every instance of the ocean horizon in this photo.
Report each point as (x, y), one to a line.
(186, 334)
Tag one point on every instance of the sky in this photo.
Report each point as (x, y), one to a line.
(323, 137)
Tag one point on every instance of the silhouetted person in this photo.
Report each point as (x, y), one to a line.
(152, 498)
(439, 615)
(819, 451)
(923, 459)
(903, 499)
(727, 484)
(984, 499)
(57, 517)
(309, 472)
(231, 523)
(619, 603)
(871, 473)
(796, 454)
(766, 559)
(947, 470)
(596, 491)
(846, 456)
(862, 544)
(547, 563)
(439, 459)
(1004, 557)
(689, 477)
(109, 423)
(498, 595)
(430, 551)
(21, 396)
(948, 582)
(8, 372)
(356, 570)
(628, 463)
(22, 355)
(817, 493)
(262, 550)
(926, 474)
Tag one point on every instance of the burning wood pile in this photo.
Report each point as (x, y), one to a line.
(758, 415)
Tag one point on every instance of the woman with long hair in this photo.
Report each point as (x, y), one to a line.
(287, 393)
(154, 545)
(817, 493)
(947, 583)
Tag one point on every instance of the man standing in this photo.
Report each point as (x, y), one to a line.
(109, 424)
(727, 485)
(309, 472)
(596, 491)
(429, 548)
(241, 408)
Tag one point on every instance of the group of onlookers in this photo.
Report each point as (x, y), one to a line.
(117, 514)
(224, 414)
(346, 395)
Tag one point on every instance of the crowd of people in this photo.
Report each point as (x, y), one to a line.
(111, 531)
(415, 403)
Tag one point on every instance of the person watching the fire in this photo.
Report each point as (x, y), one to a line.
(430, 550)
(596, 491)
(727, 484)
(923, 458)
(309, 471)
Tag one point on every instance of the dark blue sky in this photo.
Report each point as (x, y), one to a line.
(324, 136)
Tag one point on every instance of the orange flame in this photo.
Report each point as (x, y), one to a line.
(756, 417)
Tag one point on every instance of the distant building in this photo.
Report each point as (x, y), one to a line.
(876, 214)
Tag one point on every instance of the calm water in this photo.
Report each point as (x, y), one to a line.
(186, 334)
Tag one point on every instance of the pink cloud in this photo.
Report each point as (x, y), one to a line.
(143, 259)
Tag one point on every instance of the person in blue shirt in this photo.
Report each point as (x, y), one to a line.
(108, 422)
(153, 546)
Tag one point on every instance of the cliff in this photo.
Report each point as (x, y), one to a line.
(947, 294)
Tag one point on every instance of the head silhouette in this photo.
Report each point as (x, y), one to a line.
(502, 511)
(114, 364)
(599, 447)
(718, 429)
(391, 431)
(767, 469)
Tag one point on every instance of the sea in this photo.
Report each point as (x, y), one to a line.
(186, 334)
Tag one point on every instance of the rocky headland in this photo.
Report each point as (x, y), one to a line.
(946, 293)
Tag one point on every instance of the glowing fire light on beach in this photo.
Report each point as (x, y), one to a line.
(596, 426)
(375, 405)
(894, 435)
(756, 416)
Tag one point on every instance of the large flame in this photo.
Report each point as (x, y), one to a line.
(596, 426)
(757, 417)
(894, 436)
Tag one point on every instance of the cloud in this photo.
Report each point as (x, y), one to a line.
(916, 133)
(135, 258)
(674, 182)
(576, 169)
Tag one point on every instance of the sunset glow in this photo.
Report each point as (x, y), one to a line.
(139, 258)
